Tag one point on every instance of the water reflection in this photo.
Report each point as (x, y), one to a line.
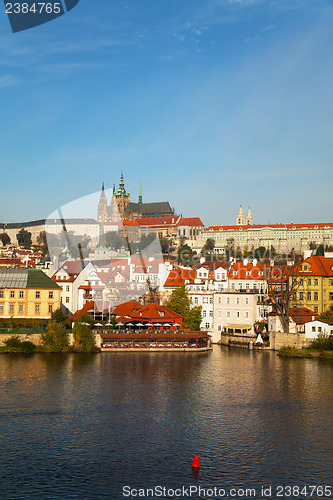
(80, 423)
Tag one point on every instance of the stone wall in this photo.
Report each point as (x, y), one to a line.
(280, 339)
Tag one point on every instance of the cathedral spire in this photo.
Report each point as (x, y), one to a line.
(121, 190)
(102, 206)
(140, 195)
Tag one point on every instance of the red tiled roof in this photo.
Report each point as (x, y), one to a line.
(158, 221)
(178, 277)
(190, 221)
(319, 225)
(126, 308)
(320, 266)
(241, 269)
(89, 305)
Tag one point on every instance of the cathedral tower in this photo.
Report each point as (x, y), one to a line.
(102, 213)
(240, 221)
(122, 197)
(249, 218)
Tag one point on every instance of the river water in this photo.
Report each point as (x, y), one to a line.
(85, 426)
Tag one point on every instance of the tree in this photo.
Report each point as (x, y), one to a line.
(326, 315)
(181, 304)
(83, 336)
(320, 250)
(185, 254)
(41, 238)
(24, 238)
(56, 337)
(229, 249)
(5, 239)
(282, 283)
(208, 246)
(58, 316)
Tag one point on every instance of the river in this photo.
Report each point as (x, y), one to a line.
(85, 426)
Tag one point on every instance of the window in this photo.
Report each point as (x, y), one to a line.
(205, 300)
(207, 325)
(237, 300)
(300, 295)
(1, 294)
(246, 314)
(37, 308)
(228, 314)
(246, 300)
(315, 309)
(315, 296)
(313, 328)
(67, 288)
(211, 300)
(237, 314)
(309, 281)
(219, 313)
(219, 300)
(12, 294)
(67, 300)
(315, 281)
(11, 308)
(228, 300)
(219, 328)
(1, 308)
(330, 282)
(330, 296)
(50, 295)
(50, 308)
(309, 295)
(21, 308)
(319, 329)
(37, 295)
(210, 313)
(301, 281)
(195, 300)
(204, 314)
(21, 294)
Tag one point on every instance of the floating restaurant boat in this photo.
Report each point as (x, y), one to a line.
(181, 341)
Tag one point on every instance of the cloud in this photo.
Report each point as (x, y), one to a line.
(268, 28)
(8, 81)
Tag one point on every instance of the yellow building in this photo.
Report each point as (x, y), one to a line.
(27, 293)
(315, 290)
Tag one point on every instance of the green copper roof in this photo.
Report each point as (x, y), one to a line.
(25, 278)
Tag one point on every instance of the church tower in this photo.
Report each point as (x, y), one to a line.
(240, 221)
(102, 213)
(140, 195)
(249, 218)
(122, 197)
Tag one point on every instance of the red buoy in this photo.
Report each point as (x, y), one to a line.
(195, 463)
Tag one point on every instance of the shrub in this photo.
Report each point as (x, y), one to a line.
(20, 345)
(83, 336)
(56, 337)
(13, 342)
(323, 342)
(27, 346)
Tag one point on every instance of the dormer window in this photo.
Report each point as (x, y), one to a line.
(161, 313)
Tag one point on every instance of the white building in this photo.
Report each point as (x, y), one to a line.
(234, 313)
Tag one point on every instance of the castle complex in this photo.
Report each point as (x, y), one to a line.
(122, 208)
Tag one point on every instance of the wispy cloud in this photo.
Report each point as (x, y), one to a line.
(8, 81)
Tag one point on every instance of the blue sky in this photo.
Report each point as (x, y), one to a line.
(209, 103)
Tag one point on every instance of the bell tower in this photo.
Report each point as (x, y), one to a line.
(240, 221)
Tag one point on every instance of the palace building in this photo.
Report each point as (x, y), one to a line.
(121, 207)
